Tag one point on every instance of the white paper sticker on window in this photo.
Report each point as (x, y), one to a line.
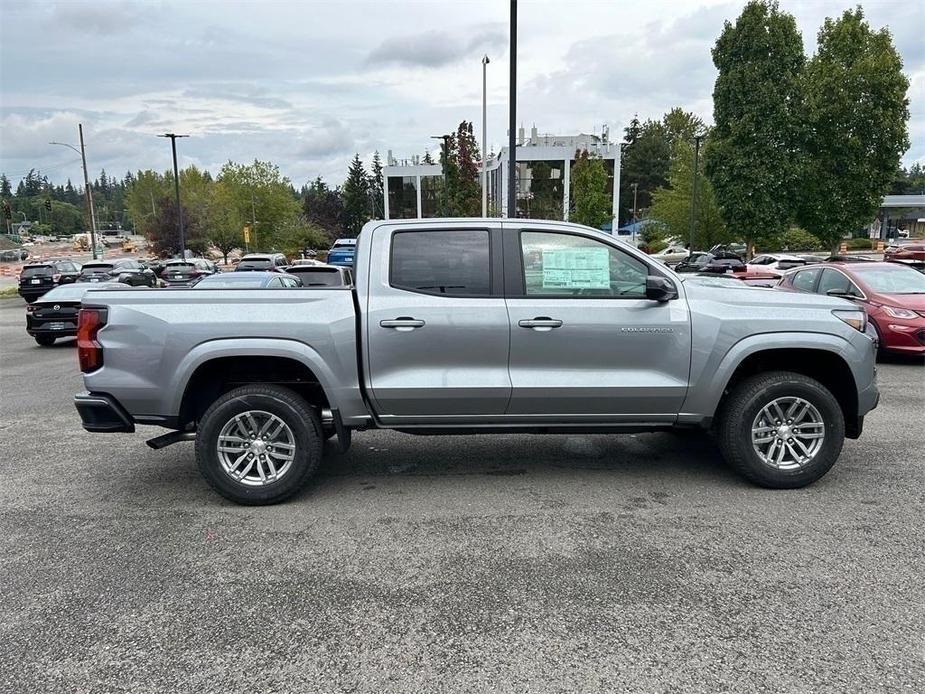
(576, 268)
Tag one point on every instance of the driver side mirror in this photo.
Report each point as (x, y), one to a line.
(660, 289)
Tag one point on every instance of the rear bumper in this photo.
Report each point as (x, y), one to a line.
(102, 413)
(31, 294)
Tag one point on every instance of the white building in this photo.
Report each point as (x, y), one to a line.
(543, 171)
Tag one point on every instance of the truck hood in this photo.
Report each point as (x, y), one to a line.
(736, 293)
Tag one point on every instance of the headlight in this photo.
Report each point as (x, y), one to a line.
(857, 319)
(900, 312)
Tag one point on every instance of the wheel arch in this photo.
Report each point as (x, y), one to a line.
(213, 368)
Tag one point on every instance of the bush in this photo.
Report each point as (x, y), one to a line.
(796, 239)
(859, 245)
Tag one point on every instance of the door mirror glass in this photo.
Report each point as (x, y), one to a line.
(660, 289)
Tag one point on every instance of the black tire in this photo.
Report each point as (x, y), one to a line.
(291, 408)
(328, 432)
(741, 407)
(45, 340)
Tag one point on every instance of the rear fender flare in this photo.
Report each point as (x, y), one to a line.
(243, 347)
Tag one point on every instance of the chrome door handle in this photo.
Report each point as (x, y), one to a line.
(402, 323)
(540, 324)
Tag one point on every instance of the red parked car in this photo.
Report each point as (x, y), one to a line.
(914, 251)
(892, 295)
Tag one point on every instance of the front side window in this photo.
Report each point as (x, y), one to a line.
(566, 265)
(805, 280)
(455, 262)
(833, 280)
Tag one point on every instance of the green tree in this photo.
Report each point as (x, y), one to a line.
(258, 192)
(464, 191)
(355, 194)
(671, 205)
(6, 190)
(753, 158)
(375, 188)
(323, 207)
(140, 199)
(856, 114)
(591, 205)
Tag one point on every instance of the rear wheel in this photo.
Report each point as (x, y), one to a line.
(259, 444)
(45, 340)
(781, 429)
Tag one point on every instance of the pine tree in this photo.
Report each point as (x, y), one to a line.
(427, 158)
(6, 190)
(355, 194)
(376, 188)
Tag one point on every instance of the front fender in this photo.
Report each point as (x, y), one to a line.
(714, 373)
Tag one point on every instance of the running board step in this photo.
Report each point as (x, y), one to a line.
(159, 442)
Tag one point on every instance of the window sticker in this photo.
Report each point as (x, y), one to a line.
(576, 268)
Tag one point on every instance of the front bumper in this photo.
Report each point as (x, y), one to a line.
(102, 413)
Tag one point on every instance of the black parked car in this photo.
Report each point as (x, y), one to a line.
(322, 275)
(711, 262)
(125, 270)
(38, 278)
(186, 273)
(54, 315)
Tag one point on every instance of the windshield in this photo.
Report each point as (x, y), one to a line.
(318, 276)
(231, 280)
(255, 264)
(884, 279)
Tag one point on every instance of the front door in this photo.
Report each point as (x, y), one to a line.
(437, 325)
(585, 342)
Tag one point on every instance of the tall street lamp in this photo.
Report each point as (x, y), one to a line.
(697, 140)
(635, 187)
(485, 62)
(176, 185)
(87, 192)
(512, 119)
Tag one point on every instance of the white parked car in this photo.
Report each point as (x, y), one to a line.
(671, 254)
(775, 263)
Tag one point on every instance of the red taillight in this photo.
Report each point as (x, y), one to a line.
(89, 351)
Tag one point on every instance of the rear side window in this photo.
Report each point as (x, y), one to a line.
(455, 262)
(805, 280)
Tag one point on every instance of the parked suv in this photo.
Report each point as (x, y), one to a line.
(125, 270)
(266, 262)
(342, 253)
(185, 273)
(38, 278)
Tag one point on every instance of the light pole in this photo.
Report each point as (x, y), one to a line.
(485, 62)
(176, 185)
(87, 192)
(697, 140)
(512, 120)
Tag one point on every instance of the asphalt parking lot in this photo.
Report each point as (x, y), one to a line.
(508, 563)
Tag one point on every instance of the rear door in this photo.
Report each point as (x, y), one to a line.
(437, 329)
(585, 342)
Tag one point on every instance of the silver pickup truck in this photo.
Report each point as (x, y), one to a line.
(477, 326)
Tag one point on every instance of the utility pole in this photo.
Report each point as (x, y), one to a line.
(254, 218)
(512, 120)
(485, 62)
(697, 140)
(88, 194)
(176, 184)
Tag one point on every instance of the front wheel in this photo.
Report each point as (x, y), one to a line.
(45, 340)
(781, 430)
(259, 444)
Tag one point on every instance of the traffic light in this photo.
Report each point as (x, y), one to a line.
(48, 205)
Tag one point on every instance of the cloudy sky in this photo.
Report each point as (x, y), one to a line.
(307, 84)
